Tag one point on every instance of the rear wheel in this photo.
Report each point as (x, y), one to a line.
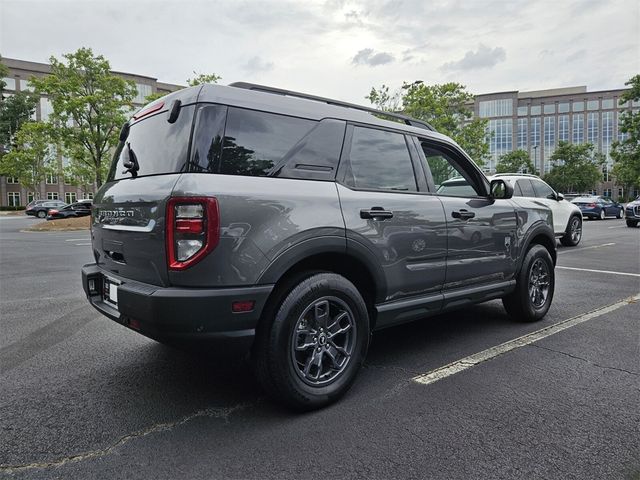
(619, 214)
(603, 215)
(531, 299)
(632, 223)
(573, 233)
(41, 214)
(313, 342)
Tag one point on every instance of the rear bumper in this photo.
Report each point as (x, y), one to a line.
(181, 315)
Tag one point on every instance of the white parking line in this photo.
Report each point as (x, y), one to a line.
(572, 250)
(599, 271)
(75, 239)
(619, 226)
(82, 243)
(477, 358)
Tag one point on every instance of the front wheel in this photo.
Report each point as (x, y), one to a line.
(603, 215)
(535, 283)
(573, 233)
(619, 214)
(41, 214)
(309, 352)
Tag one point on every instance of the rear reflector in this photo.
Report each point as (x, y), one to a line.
(242, 306)
(195, 225)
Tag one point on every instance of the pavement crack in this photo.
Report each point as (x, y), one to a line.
(213, 412)
(605, 367)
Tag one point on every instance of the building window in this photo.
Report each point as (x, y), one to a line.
(607, 192)
(578, 106)
(522, 133)
(30, 197)
(563, 128)
(620, 192)
(14, 199)
(522, 111)
(535, 109)
(496, 108)
(25, 85)
(143, 92)
(578, 128)
(501, 141)
(550, 108)
(535, 131)
(51, 179)
(549, 141)
(563, 107)
(12, 180)
(10, 83)
(592, 128)
(46, 109)
(607, 132)
(621, 136)
(88, 195)
(52, 195)
(607, 103)
(70, 197)
(592, 105)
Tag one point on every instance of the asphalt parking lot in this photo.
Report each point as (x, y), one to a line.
(82, 397)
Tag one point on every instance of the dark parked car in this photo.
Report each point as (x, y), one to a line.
(291, 227)
(78, 209)
(632, 213)
(40, 208)
(598, 207)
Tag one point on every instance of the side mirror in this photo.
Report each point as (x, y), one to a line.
(559, 196)
(500, 189)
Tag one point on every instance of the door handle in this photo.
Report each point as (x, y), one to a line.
(376, 213)
(463, 214)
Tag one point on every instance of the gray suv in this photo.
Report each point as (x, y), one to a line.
(290, 227)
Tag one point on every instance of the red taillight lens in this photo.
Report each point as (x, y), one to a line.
(592, 205)
(193, 230)
(52, 211)
(242, 306)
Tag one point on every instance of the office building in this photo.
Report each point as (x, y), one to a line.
(536, 121)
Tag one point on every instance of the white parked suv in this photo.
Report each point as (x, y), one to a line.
(567, 217)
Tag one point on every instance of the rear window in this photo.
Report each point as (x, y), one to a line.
(159, 146)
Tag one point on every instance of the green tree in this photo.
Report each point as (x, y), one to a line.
(576, 168)
(515, 161)
(88, 108)
(14, 111)
(447, 107)
(4, 72)
(33, 156)
(199, 79)
(626, 154)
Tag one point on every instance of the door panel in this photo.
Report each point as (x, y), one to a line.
(410, 245)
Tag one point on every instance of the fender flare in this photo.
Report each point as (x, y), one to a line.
(534, 231)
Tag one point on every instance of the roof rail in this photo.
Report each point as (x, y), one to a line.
(288, 93)
(515, 175)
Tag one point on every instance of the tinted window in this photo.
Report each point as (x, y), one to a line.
(526, 188)
(206, 149)
(542, 189)
(256, 141)
(158, 146)
(517, 191)
(379, 160)
(449, 178)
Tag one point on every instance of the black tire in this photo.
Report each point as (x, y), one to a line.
(278, 364)
(519, 304)
(573, 232)
(603, 215)
(619, 214)
(41, 214)
(632, 223)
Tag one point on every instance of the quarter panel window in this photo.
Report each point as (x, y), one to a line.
(525, 187)
(542, 189)
(379, 160)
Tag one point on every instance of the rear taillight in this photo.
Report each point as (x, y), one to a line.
(193, 230)
(53, 211)
(591, 205)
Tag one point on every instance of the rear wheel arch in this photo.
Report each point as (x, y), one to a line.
(539, 236)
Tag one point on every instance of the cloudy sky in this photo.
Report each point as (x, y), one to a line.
(341, 48)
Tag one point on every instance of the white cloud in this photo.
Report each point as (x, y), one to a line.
(484, 57)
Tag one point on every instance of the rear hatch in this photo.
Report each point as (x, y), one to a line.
(128, 218)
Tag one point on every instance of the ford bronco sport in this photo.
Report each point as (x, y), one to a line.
(290, 227)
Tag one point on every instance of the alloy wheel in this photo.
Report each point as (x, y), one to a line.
(538, 283)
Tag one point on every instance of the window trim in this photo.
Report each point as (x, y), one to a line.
(345, 157)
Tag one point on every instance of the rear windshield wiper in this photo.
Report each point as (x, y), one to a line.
(131, 165)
